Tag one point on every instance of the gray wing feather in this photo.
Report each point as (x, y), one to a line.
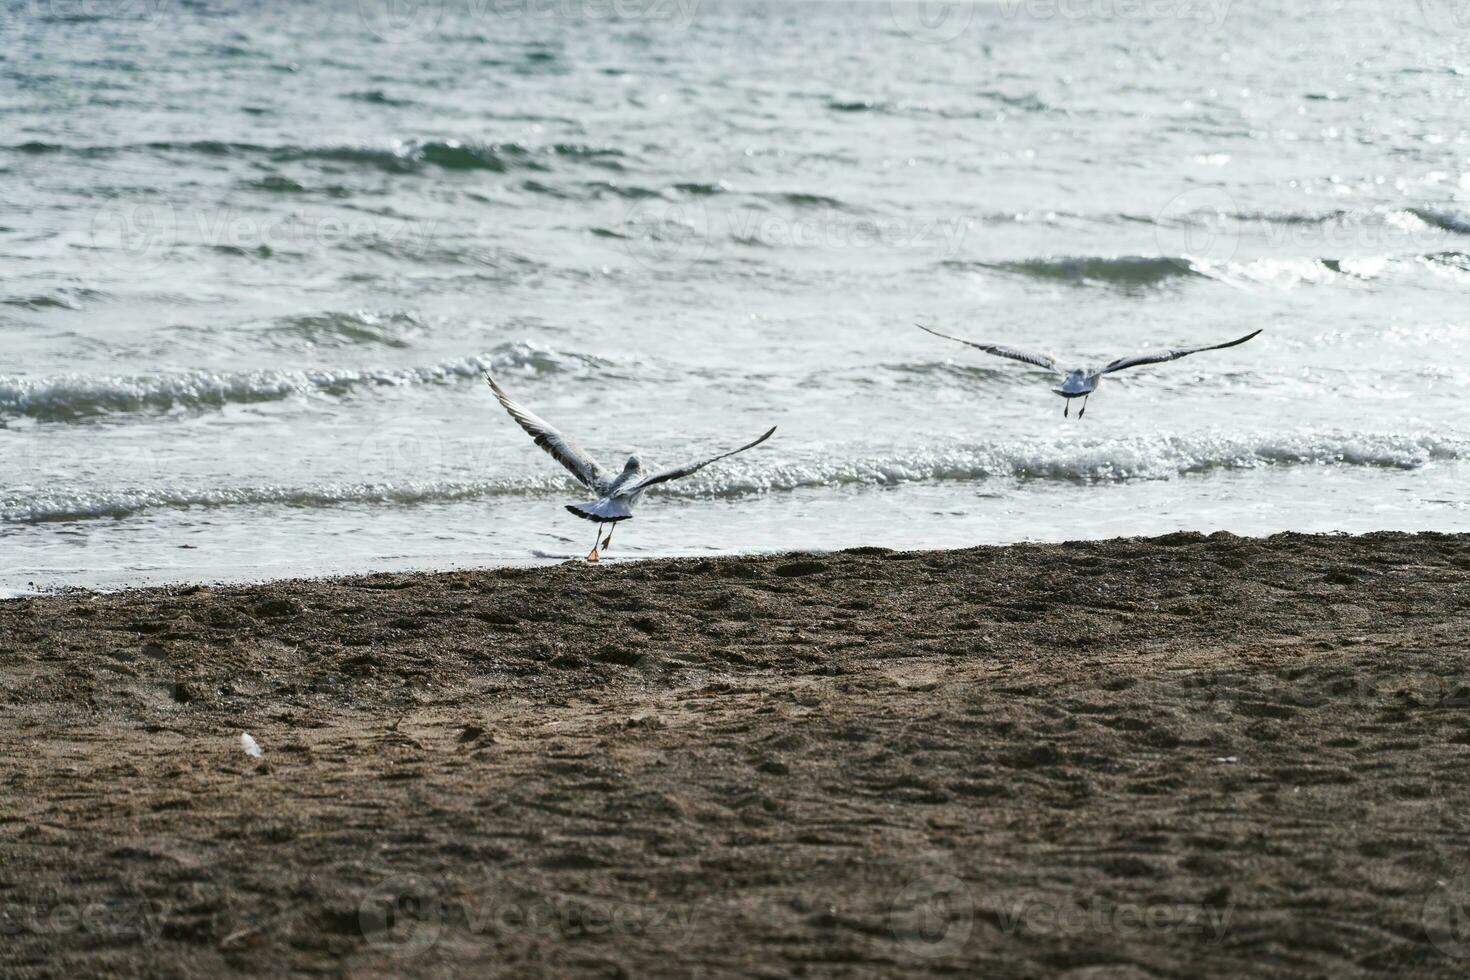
(1040, 360)
(1171, 354)
(548, 437)
(683, 471)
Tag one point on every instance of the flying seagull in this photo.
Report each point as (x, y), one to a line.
(616, 495)
(1082, 382)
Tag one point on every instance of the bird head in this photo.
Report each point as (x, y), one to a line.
(633, 465)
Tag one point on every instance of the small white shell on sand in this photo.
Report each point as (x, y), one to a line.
(249, 745)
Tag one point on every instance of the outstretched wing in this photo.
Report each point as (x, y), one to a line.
(1040, 360)
(548, 437)
(1172, 354)
(682, 471)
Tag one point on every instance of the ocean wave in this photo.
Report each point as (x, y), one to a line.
(1061, 460)
(1455, 221)
(1107, 460)
(51, 506)
(856, 105)
(379, 97)
(1146, 271)
(1390, 223)
(60, 298)
(801, 199)
(398, 158)
(1030, 103)
(339, 328)
(74, 397)
(1122, 270)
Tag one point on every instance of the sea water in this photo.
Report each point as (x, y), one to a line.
(255, 258)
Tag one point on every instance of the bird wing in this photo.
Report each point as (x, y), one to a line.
(683, 471)
(548, 437)
(1171, 354)
(1040, 360)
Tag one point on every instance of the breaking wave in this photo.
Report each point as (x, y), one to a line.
(72, 397)
(1142, 271)
(1124, 270)
(1102, 461)
(399, 157)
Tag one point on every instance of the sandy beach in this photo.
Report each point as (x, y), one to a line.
(1185, 755)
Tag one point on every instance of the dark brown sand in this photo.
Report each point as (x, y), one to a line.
(1138, 758)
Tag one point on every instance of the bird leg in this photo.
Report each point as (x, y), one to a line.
(1083, 410)
(608, 543)
(1067, 408)
(594, 556)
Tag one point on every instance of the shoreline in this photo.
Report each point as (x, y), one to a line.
(135, 581)
(1186, 754)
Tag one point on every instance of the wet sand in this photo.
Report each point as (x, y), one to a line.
(1177, 756)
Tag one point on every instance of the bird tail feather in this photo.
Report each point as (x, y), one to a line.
(606, 510)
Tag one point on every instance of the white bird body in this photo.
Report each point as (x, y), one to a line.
(616, 496)
(1082, 382)
(617, 501)
(1079, 382)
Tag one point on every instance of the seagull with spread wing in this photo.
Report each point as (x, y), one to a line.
(616, 495)
(1082, 382)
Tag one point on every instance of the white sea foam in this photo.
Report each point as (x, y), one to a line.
(1098, 461)
(77, 396)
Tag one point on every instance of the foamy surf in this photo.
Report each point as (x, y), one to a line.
(1155, 271)
(1101, 460)
(72, 397)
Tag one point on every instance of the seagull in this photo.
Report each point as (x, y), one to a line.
(616, 495)
(1082, 382)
